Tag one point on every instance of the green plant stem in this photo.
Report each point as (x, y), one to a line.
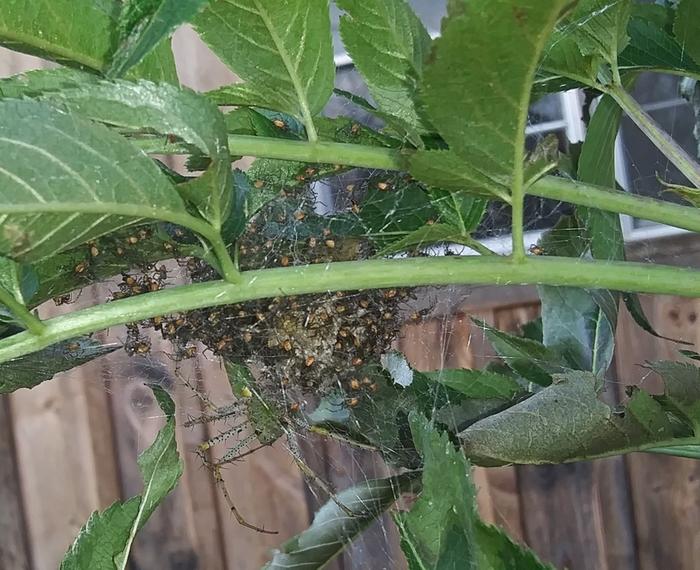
(663, 141)
(518, 227)
(690, 450)
(49, 49)
(21, 313)
(391, 159)
(360, 156)
(591, 196)
(349, 276)
(228, 268)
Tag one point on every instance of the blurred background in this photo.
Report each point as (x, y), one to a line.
(69, 446)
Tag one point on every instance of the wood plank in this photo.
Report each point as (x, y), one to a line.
(565, 519)
(14, 550)
(498, 492)
(665, 490)
(63, 428)
(378, 546)
(173, 537)
(197, 483)
(423, 344)
(267, 488)
(455, 342)
(55, 436)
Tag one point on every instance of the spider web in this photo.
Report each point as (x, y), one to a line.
(442, 333)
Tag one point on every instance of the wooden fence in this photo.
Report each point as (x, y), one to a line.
(69, 447)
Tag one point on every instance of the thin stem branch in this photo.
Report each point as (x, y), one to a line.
(591, 196)
(518, 227)
(392, 159)
(360, 156)
(31, 43)
(21, 313)
(663, 141)
(228, 268)
(350, 276)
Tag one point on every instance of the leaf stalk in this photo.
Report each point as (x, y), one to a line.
(350, 276)
(361, 156)
(33, 324)
(661, 139)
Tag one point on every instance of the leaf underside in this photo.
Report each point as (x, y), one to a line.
(66, 181)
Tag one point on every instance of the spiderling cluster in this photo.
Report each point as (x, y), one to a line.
(297, 346)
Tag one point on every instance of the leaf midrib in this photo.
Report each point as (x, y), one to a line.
(286, 60)
(136, 211)
(148, 485)
(524, 103)
(59, 52)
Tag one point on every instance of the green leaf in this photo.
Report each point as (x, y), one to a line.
(575, 321)
(596, 165)
(30, 371)
(79, 33)
(171, 111)
(40, 81)
(577, 324)
(600, 27)
(158, 66)
(652, 48)
(18, 279)
(567, 422)
(445, 169)
(263, 415)
(424, 237)
(690, 354)
(248, 121)
(143, 24)
(487, 132)
(282, 50)
(244, 206)
(395, 126)
(687, 451)
(386, 216)
(477, 384)
(687, 28)
(499, 552)
(457, 209)
(636, 311)
(690, 195)
(661, 14)
(443, 529)
(577, 328)
(67, 181)
(528, 358)
(344, 130)
(682, 394)
(563, 61)
(565, 239)
(388, 44)
(105, 542)
(106, 257)
(439, 529)
(68, 31)
(542, 160)
(333, 529)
